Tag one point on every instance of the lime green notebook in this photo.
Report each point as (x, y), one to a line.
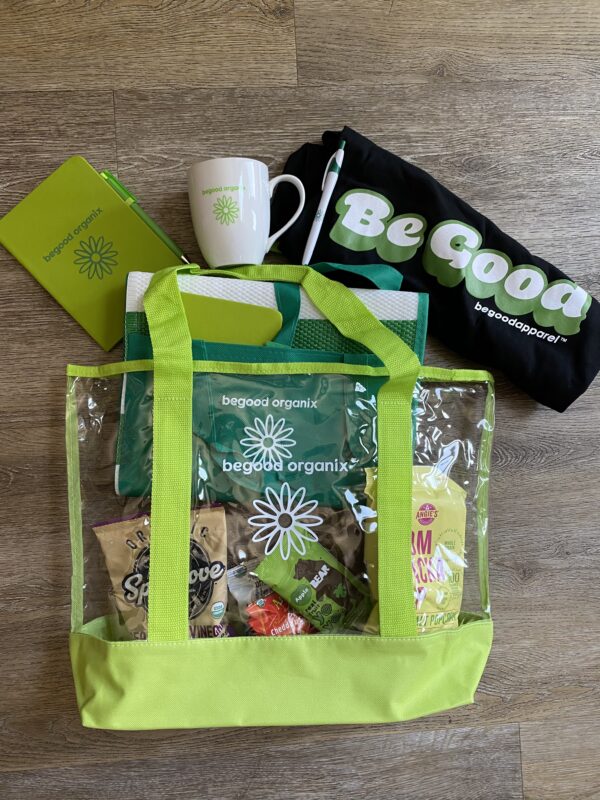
(214, 319)
(79, 233)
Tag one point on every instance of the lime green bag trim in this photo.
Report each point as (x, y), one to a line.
(109, 370)
(172, 436)
(276, 368)
(233, 367)
(278, 680)
(456, 375)
(172, 460)
(75, 520)
(485, 457)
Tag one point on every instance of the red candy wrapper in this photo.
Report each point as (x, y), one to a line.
(271, 616)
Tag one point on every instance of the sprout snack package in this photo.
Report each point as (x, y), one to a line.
(126, 548)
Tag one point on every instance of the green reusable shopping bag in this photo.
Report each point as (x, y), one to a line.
(392, 581)
(303, 329)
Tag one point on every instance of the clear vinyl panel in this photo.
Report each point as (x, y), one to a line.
(453, 425)
(283, 512)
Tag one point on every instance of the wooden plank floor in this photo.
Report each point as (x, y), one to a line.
(500, 101)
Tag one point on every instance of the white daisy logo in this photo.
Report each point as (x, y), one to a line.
(285, 520)
(267, 442)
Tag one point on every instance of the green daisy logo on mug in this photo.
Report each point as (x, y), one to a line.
(95, 257)
(226, 210)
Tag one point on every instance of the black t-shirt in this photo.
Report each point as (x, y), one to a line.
(491, 300)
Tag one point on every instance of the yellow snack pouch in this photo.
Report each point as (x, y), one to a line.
(439, 515)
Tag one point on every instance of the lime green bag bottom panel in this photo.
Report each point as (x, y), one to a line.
(287, 680)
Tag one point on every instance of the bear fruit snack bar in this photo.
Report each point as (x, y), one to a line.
(321, 589)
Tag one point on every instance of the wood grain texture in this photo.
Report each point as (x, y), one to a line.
(37, 132)
(506, 151)
(306, 764)
(501, 103)
(396, 42)
(560, 759)
(146, 43)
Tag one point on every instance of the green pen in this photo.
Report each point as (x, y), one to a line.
(131, 201)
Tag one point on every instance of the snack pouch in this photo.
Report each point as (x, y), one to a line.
(315, 584)
(439, 516)
(272, 616)
(245, 588)
(259, 608)
(126, 548)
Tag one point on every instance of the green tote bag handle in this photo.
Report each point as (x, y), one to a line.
(287, 295)
(382, 276)
(172, 444)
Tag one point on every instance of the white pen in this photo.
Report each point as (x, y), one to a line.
(329, 181)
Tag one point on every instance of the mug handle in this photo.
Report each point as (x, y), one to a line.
(299, 185)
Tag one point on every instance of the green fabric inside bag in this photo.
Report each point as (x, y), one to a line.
(310, 334)
(224, 411)
(313, 340)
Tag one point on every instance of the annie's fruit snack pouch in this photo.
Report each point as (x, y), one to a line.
(439, 515)
(321, 589)
(126, 548)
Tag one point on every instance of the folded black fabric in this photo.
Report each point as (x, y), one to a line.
(491, 300)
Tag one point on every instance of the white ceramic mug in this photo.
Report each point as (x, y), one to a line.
(231, 211)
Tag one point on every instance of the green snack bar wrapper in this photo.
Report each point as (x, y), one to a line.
(321, 589)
